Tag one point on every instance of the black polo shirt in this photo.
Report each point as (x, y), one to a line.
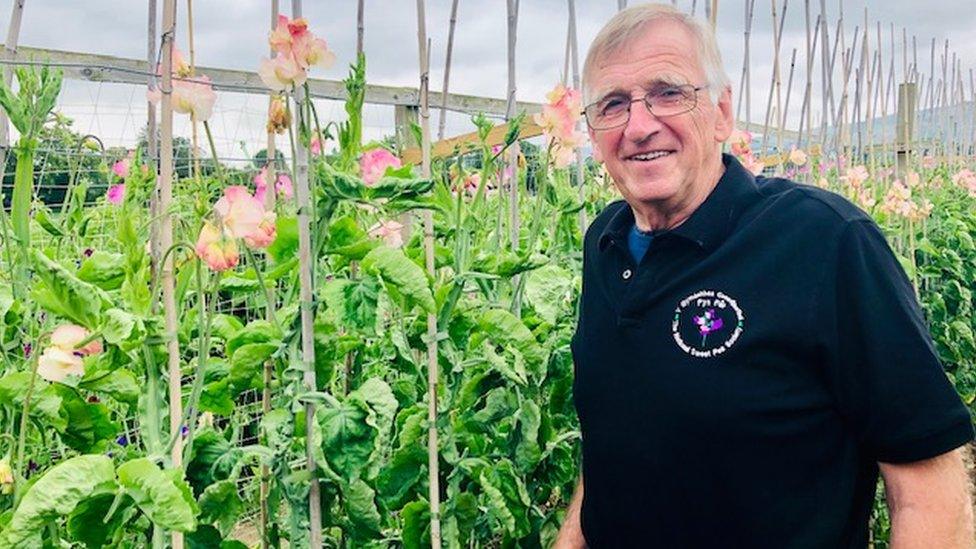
(738, 387)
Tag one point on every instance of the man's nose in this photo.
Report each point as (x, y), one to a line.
(642, 123)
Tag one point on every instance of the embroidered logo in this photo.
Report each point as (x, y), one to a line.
(707, 323)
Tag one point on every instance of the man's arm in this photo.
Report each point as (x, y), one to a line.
(930, 502)
(571, 534)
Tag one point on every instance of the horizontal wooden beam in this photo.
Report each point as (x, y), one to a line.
(120, 70)
(469, 141)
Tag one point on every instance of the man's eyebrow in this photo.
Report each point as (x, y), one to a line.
(663, 80)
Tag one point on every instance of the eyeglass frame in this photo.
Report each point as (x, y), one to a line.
(647, 104)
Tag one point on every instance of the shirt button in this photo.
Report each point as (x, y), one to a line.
(626, 274)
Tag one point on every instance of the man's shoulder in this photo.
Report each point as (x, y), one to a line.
(599, 224)
(807, 204)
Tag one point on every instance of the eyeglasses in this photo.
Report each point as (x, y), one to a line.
(614, 111)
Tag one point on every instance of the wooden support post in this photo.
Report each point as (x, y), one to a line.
(9, 52)
(405, 117)
(576, 84)
(166, 241)
(433, 463)
(306, 266)
(270, 157)
(447, 70)
(513, 197)
(905, 130)
(152, 147)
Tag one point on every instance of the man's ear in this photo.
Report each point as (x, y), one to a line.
(725, 123)
(597, 155)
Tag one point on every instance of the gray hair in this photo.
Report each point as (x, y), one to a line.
(628, 24)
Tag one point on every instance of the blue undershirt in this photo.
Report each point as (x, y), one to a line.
(638, 241)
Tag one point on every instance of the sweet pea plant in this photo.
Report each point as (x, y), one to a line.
(84, 419)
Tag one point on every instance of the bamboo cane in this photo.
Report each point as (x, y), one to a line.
(745, 94)
(9, 51)
(774, 78)
(576, 85)
(360, 26)
(825, 75)
(152, 151)
(781, 123)
(433, 469)
(269, 204)
(305, 272)
(514, 221)
(806, 118)
(166, 241)
(447, 70)
(621, 4)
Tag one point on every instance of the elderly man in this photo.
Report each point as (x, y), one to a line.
(748, 356)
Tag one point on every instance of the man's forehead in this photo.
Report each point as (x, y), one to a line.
(667, 79)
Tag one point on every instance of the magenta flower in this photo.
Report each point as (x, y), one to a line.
(261, 184)
(708, 323)
(116, 194)
(283, 186)
(121, 168)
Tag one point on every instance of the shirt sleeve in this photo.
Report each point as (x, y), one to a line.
(882, 366)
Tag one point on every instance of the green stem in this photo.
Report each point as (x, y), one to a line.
(153, 429)
(269, 299)
(25, 413)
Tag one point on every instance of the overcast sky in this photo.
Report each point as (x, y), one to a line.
(232, 34)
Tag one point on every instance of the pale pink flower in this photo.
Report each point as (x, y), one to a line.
(912, 180)
(56, 364)
(264, 235)
(374, 163)
(313, 52)
(283, 186)
(966, 179)
(390, 231)
(740, 143)
(219, 252)
(239, 212)
(181, 68)
(116, 194)
(753, 164)
(855, 176)
(315, 146)
(283, 36)
(281, 73)
(68, 336)
(193, 96)
(798, 157)
(929, 162)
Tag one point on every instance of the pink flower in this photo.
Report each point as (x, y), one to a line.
(967, 180)
(68, 336)
(929, 162)
(740, 143)
(798, 157)
(313, 52)
(316, 146)
(390, 231)
(285, 32)
(283, 186)
(293, 39)
(281, 73)
(239, 212)
(855, 176)
(558, 121)
(121, 167)
(220, 253)
(264, 235)
(753, 164)
(116, 194)
(374, 164)
(194, 96)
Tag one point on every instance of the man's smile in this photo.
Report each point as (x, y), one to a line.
(649, 156)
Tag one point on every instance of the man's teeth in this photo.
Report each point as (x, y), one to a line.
(650, 156)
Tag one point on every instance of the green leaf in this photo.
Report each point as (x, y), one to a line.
(6, 299)
(42, 214)
(23, 192)
(103, 269)
(549, 291)
(225, 326)
(416, 525)
(527, 451)
(507, 497)
(89, 425)
(256, 331)
(220, 503)
(504, 328)
(352, 302)
(87, 522)
(360, 507)
(247, 365)
(347, 440)
(56, 494)
(119, 384)
(216, 398)
(507, 264)
(396, 269)
(123, 329)
(285, 244)
(163, 496)
(65, 295)
(45, 402)
(511, 370)
(400, 475)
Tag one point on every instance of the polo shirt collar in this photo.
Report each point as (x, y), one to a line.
(710, 224)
